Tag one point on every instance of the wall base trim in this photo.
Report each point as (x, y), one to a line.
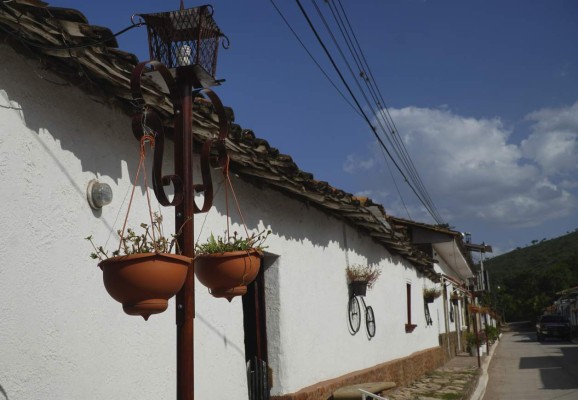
(402, 371)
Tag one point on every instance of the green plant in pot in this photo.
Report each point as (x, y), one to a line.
(361, 277)
(143, 273)
(492, 333)
(227, 264)
(430, 294)
(471, 343)
(455, 297)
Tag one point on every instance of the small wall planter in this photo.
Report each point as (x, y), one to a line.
(361, 277)
(144, 282)
(430, 294)
(358, 288)
(228, 274)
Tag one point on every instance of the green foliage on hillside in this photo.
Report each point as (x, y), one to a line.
(529, 277)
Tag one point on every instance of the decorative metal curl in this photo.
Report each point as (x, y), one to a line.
(148, 118)
(226, 38)
(135, 22)
(153, 65)
(207, 160)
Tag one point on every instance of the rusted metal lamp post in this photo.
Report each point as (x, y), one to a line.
(183, 48)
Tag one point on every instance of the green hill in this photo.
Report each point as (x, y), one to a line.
(528, 278)
(537, 256)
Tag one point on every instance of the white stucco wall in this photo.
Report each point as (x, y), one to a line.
(61, 335)
(307, 295)
(442, 267)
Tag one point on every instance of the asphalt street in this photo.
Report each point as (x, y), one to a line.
(525, 369)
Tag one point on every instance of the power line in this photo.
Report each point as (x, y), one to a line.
(353, 51)
(313, 58)
(396, 142)
(387, 116)
(24, 40)
(418, 191)
(342, 95)
(365, 117)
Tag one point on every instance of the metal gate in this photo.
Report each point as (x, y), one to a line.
(257, 379)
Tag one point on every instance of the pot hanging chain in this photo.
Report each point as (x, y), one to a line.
(150, 140)
(228, 184)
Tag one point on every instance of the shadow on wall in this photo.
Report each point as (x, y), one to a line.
(264, 207)
(226, 342)
(76, 121)
(62, 118)
(3, 392)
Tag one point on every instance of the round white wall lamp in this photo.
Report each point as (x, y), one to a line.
(98, 194)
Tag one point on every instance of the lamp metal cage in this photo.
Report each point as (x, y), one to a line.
(184, 37)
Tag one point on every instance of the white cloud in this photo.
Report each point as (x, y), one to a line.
(471, 169)
(365, 193)
(553, 143)
(355, 163)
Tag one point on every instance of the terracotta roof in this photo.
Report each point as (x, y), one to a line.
(405, 225)
(38, 29)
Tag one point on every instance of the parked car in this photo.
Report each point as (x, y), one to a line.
(553, 325)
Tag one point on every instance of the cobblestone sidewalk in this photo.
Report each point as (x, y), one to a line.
(454, 381)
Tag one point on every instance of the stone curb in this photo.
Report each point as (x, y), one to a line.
(473, 385)
(482, 381)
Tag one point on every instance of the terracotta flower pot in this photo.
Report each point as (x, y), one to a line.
(144, 282)
(228, 274)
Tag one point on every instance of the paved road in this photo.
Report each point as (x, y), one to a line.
(524, 369)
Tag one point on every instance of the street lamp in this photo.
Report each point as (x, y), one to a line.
(183, 48)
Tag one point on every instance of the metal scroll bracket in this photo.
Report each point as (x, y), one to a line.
(148, 121)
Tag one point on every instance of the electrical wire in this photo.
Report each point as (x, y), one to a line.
(344, 25)
(395, 184)
(313, 58)
(365, 117)
(80, 46)
(399, 148)
(356, 57)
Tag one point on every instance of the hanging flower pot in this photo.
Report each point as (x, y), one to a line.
(142, 274)
(147, 275)
(143, 283)
(227, 265)
(228, 274)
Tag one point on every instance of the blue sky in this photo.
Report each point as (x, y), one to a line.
(484, 95)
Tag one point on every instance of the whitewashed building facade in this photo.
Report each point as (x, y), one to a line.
(62, 336)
